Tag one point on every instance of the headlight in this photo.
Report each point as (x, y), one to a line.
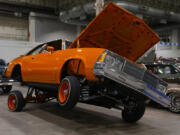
(162, 88)
(113, 62)
(108, 60)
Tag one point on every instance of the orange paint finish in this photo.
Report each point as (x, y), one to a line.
(47, 67)
(11, 65)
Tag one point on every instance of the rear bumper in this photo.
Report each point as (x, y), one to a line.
(134, 84)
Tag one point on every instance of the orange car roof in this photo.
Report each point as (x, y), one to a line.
(118, 30)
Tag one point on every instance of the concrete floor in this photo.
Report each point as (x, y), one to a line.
(48, 119)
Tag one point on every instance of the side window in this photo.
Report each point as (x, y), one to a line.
(160, 70)
(155, 70)
(36, 51)
(56, 44)
(44, 48)
(170, 70)
(167, 70)
(67, 44)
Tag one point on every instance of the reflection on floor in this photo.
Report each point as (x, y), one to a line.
(48, 119)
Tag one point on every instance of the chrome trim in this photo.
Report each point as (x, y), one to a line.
(144, 83)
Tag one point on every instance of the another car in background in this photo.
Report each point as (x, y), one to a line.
(5, 83)
(171, 74)
(3, 66)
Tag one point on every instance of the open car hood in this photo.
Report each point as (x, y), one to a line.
(117, 30)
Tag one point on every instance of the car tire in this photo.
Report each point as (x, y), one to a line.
(7, 89)
(16, 101)
(68, 92)
(134, 114)
(174, 106)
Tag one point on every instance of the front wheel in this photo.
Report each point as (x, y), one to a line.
(69, 92)
(133, 112)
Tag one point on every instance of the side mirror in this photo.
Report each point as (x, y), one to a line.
(50, 48)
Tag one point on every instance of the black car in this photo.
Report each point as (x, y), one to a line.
(2, 67)
(5, 83)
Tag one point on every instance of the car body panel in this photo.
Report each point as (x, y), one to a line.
(119, 31)
(46, 67)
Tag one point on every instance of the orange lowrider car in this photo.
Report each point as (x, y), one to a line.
(97, 68)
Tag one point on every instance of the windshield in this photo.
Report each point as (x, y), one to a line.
(163, 69)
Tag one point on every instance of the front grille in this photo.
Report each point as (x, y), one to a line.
(133, 70)
(140, 74)
(150, 79)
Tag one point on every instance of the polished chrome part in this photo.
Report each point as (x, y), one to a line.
(133, 70)
(175, 102)
(130, 75)
(5, 84)
(150, 79)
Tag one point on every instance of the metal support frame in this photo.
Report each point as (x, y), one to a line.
(36, 96)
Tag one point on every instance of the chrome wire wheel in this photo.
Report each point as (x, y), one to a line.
(175, 102)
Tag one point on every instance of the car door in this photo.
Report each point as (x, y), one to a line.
(27, 64)
(44, 67)
(41, 66)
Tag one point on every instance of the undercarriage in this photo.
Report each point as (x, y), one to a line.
(107, 94)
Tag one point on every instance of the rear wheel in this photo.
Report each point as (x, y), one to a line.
(69, 92)
(6, 89)
(135, 112)
(16, 101)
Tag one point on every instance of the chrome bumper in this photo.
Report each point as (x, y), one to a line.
(138, 85)
(6, 82)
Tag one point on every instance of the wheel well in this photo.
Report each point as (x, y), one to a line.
(74, 67)
(171, 92)
(16, 70)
